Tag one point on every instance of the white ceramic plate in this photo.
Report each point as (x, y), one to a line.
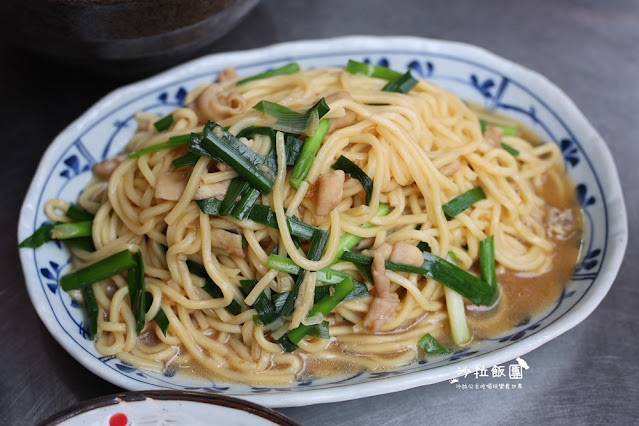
(472, 73)
(165, 408)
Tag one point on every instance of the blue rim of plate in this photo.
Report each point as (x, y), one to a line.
(497, 87)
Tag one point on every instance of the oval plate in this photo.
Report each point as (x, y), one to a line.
(471, 72)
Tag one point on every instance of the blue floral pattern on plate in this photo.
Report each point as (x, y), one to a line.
(474, 80)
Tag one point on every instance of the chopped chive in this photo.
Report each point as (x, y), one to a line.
(320, 330)
(403, 84)
(286, 69)
(237, 187)
(263, 305)
(256, 130)
(431, 346)
(487, 261)
(83, 243)
(510, 149)
(315, 251)
(105, 268)
(162, 320)
(347, 241)
(185, 160)
(323, 307)
(279, 299)
(219, 143)
(91, 308)
(463, 201)
(164, 123)
(161, 146)
(508, 130)
(292, 121)
(63, 231)
(347, 166)
(284, 264)
(210, 287)
(456, 311)
(369, 70)
(137, 291)
(39, 237)
(307, 155)
(243, 207)
(442, 271)
(78, 214)
(423, 246)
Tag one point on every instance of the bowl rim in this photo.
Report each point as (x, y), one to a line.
(616, 240)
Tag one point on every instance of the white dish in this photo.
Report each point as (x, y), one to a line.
(167, 407)
(471, 72)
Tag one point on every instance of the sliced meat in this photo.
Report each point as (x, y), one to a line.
(227, 74)
(212, 190)
(170, 185)
(494, 135)
(384, 303)
(329, 191)
(228, 242)
(407, 254)
(105, 169)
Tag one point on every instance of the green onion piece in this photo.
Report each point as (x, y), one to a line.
(91, 308)
(263, 305)
(286, 344)
(442, 271)
(347, 166)
(431, 346)
(137, 291)
(105, 268)
(210, 287)
(323, 307)
(63, 231)
(279, 299)
(286, 69)
(423, 246)
(360, 291)
(293, 147)
(307, 156)
(39, 237)
(320, 330)
(181, 140)
(211, 206)
(365, 271)
(315, 251)
(289, 120)
(463, 201)
(284, 264)
(508, 130)
(243, 207)
(403, 84)
(355, 67)
(78, 214)
(347, 241)
(162, 320)
(185, 160)
(487, 261)
(83, 243)
(512, 151)
(164, 123)
(237, 188)
(221, 144)
(456, 312)
(256, 130)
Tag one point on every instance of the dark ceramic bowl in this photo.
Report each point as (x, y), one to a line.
(120, 36)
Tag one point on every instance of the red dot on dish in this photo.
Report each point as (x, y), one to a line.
(118, 419)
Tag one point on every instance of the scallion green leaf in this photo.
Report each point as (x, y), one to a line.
(181, 140)
(403, 84)
(162, 320)
(185, 160)
(39, 237)
(286, 69)
(137, 291)
(512, 151)
(64, 231)
(369, 70)
(78, 214)
(463, 201)
(508, 130)
(431, 346)
(347, 166)
(164, 123)
(219, 143)
(105, 268)
(291, 121)
(487, 261)
(307, 155)
(91, 308)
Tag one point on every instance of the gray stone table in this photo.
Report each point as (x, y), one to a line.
(589, 375)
